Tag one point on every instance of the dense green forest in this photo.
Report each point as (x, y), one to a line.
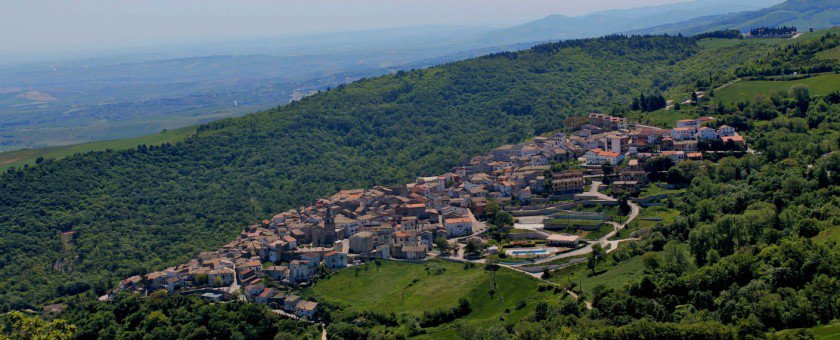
(159, 316)
(132, 211)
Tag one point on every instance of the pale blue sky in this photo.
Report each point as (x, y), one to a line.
(32, 27)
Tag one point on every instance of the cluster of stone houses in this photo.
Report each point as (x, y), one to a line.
(607, 144)
(403, 222)
(279, 299)
(381, 222)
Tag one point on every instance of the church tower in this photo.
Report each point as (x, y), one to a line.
(329, 227)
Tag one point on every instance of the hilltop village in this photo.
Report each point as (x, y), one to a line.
(408, 222)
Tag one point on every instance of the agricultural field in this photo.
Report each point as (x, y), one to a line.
(401, 287)
(20, 157)
(746, 90)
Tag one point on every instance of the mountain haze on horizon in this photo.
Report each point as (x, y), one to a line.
(803, 14)
(560, 27)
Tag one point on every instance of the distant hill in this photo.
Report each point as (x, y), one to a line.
(803, 14)
(560, 27)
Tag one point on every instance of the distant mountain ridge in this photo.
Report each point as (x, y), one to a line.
(804, 14)
(560, 27)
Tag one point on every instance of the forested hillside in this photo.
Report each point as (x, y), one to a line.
(123, 213)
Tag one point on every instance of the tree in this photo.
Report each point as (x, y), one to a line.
(607, 168)
(491, 264)
(202, 279)
(802, 95)
(548, 187)
(492, 208)
(503, 219)
(442, 245)
(595, 257)
(473, 247)
(675, 261)
(712, 256)
(624, 204)
(20, 326)
(651, 262)
(808, 227)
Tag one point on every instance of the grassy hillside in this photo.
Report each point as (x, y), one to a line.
(412, 289)
(20, 157)
(825, 332)
(832, 54)
(611, 276)
(399, 287)
(745, 90)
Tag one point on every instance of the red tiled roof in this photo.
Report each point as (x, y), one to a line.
(736, 138)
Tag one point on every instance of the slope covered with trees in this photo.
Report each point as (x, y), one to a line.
(77, 225)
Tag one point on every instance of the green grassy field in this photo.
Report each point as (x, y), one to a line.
(611, 276)
(667, 216)
(832, 54)
(746, 90)
(824, 332)
(653, 190)
(662, 118)
(20, 157)
(401, 287)
(715, 43)
(832, 234)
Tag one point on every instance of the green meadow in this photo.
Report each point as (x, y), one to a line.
(408, 288)
(746, 90)
(19, 158)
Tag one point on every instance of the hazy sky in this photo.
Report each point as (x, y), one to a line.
(31, 27)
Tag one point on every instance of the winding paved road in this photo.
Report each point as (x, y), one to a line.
(603, 241)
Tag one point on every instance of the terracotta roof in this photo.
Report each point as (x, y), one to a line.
(735, 138)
